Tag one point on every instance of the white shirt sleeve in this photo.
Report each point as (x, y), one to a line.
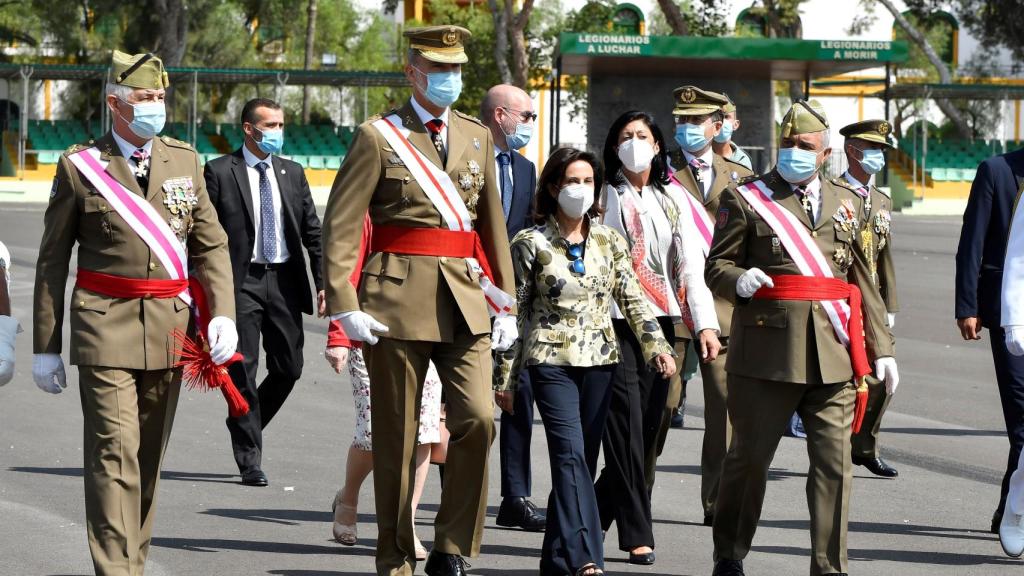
(1013, 273)
(698, 295)
(5, 263)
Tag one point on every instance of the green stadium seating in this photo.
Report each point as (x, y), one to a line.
(333, 163)
(316, 162)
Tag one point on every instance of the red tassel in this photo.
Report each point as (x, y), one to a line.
(199, 372)
(860, 408)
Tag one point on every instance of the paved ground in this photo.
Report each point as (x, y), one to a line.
(944, 432)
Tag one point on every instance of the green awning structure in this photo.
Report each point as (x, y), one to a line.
(756, 58)
(962, 91)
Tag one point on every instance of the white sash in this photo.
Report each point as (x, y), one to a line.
(140, 216)
(439, 188)
(800, 247)
(700, 217)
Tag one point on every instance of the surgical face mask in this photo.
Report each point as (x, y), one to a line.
(690, 137)
(725, 134)
(636, 155)
(872, 161)
(443, 88)
(576, 199)
(796, 165)
(272, 142)
(147, 118)
(520, 136)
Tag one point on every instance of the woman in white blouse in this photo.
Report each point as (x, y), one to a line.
(645, 207)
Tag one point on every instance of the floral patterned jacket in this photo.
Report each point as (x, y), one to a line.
(565, 318)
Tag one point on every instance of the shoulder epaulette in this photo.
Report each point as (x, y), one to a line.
(465, 116)
(885, 193)
(843, 182)
(749, 179)
(176, 143)
(76, 147)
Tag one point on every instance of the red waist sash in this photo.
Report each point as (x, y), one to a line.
(122, 287)
(430, 242)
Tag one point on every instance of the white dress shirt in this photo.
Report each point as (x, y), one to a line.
(857, 185)
(251, 160)
(708, 171)
(127, 148)
(427, 117)
(813, 192)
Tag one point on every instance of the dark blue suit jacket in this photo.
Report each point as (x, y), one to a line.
(524, 183)
(979, 258)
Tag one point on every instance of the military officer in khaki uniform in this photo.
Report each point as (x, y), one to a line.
(124, 345)
(706, 175)
(865, 146)
(423, 300)
(785, 354)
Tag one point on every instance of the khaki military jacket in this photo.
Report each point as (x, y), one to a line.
(422, 298)
(565, 319)
(789, 340)
(727, 173)
(875, 242)
(117, 332)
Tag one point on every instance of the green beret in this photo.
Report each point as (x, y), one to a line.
(692, 101)
(444, 44)
(138, 71)
(877, 131)
(804, 118)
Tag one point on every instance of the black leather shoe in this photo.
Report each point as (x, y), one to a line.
(876, 466)
(709, 519)
(726, 567)
(520, 513)
(645, 559)
(254, 477)
(441, 564)
(997, 519)
(837, 574)
(678, 421)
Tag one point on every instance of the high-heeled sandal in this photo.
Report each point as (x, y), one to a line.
(345, 534)
(590, 569)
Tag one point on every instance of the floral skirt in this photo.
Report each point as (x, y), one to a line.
(430, 405)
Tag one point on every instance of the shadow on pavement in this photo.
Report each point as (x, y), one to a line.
(694, 470)
(280, 516)
(366, 546)
(892, 528)
(76, 472)
(907, 556)
(944, 432)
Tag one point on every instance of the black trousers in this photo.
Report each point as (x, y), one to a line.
(573, 403)
(267, 306)
(638, 401)
(514, 442)
(1010, 377)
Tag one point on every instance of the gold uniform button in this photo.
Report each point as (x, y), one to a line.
(814, 233)
(152, 265)
(816, 307)
(443, 259)
(81, 303)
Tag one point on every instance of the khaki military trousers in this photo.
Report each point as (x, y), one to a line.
(397, 369)
(672, 402)
(759, 411)
(717, 430)
(128, 416)
(865, 442)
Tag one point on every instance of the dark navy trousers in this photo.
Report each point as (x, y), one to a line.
(514, 442)
(1010, 378)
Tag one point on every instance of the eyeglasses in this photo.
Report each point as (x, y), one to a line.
(524, 116)
(576, 264)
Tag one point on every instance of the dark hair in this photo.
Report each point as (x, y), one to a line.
(249, 110)
(544, 204)
(659, 165)
(718, 116)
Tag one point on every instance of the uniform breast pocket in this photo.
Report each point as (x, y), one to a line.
(842, 253)
(766, 318)
(99, 218)
(394, 188)
(767, 243)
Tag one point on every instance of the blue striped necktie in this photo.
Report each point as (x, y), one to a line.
(268, 225)
(504, 161)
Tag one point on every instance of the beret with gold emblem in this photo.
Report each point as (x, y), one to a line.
(804, 117)
(878, 131)
(692, 101)
(444, 44)
(138, 71)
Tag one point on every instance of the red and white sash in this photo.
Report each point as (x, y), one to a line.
(699, 215)
(800, 247)
(439, 188)
(139, 214)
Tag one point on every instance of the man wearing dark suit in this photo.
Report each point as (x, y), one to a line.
(508, 112)
(265, 206)
(979, 279)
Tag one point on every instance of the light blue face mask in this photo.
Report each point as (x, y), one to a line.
(725, 134)
(272, 142)
(691, 138)
(443, 88)
(519, 138)
(147, 118)
(796, 165)
(872, 161)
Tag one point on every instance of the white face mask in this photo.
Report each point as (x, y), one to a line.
(636, 155)
(576, 199)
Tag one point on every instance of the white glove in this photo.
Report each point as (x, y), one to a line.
(223, 339)
(504, 333)
(1015, 339)
(750, 281)
(8, 330)
(885, 370)
(892, 319)
(360, 326)
(48, 372)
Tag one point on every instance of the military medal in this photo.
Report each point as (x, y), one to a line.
(465, 181)
(474, 168)
(845, 216)
(471, 202)
(476, 143)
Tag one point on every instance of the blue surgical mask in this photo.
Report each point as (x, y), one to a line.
(690, 137)
(147, 118)
(725, 134)
(519, 138)
(272, 142)
(872, 161)
(796, 164)
(443, 88)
